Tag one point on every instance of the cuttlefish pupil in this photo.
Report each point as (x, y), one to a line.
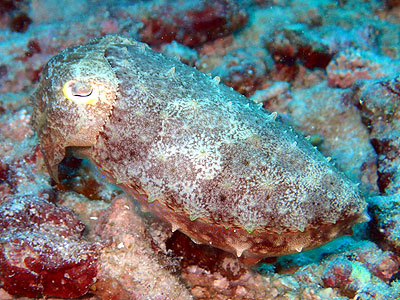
(80, 92)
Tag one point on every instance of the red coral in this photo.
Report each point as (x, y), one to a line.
(338, 275)
(20, 22)
(352, 271)
(33, 48)
(388, 151)
(7, 6)
(313, 58)
(194, 24)
(291, 47)
(41, 250)
(392, 3)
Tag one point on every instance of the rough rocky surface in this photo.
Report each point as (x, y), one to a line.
(42, 251)
(130, 254)
(192, 23)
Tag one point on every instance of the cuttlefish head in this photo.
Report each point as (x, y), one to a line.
(74, 99)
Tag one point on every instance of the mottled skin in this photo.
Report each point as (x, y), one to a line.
(215, 165)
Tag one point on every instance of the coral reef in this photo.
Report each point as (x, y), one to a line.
(327, 67)
(215, 274)
(13, 14)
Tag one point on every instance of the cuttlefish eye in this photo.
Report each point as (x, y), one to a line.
(80, 92)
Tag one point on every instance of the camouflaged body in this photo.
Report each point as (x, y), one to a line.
(214, 164)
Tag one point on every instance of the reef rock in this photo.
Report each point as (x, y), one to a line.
(42, 251)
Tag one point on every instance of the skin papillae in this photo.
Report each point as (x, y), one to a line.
(215, 165)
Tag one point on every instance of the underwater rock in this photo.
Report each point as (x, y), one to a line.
(347, 271)
(243, 69)
(352, 64)
(392, 3)
(294, 45)
(212, 163)
(42, 251)
(181, 52)
(362, 269)
(341, 275)
(319, 110)
(192, 23)
(20, 23)
(130, 266)
(379, 102)
(215, 274)
(385, 223)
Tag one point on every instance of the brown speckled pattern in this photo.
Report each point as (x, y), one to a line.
(206, 156)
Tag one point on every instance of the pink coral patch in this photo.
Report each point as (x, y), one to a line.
(42, 251)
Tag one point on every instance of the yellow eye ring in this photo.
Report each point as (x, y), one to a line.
(80, 92)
